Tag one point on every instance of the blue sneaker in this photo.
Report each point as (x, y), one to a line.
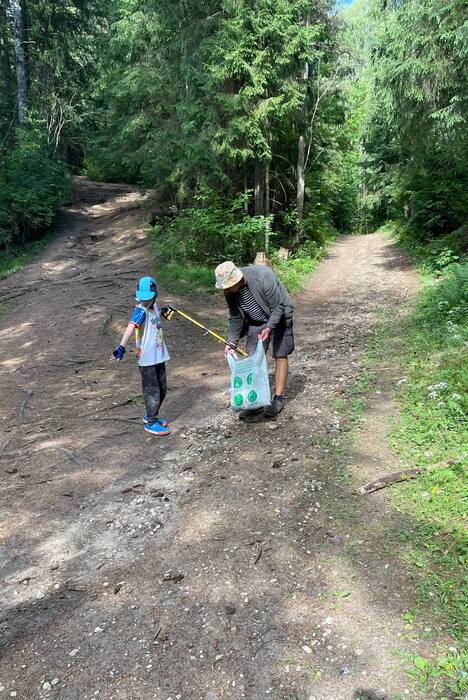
(161, 421)
(157, 429)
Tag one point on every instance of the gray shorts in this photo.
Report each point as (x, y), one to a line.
(282, 337)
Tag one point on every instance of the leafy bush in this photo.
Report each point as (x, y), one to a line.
(33, 185)
(432, 254)
(209, 233)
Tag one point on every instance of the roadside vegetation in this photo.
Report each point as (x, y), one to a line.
(431, 432)
(428, 344)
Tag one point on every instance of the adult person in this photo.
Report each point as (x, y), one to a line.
(261, 309)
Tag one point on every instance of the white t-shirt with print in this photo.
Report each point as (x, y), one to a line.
(153, 349)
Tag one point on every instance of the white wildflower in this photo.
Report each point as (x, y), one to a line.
(401, 381)
(441, 404)
(456, 396)
(441, 385)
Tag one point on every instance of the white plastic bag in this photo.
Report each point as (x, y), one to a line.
(250, 385)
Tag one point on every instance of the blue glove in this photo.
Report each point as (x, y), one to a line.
(119, 352)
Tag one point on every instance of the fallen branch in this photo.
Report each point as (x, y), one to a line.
(405, 475)
(388, 480)
(117, 418)
(110, 408)
(260, 552)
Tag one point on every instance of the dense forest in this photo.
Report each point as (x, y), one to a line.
(257, 124)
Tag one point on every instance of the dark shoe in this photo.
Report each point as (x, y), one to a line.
(249, 412)
(274, 408)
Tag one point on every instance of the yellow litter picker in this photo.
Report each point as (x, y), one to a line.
(169, 311)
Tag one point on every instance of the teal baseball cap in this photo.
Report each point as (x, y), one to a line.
(146, 289)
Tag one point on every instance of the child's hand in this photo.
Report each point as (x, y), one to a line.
(119, 352)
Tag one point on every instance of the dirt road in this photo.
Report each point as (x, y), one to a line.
(226, 561)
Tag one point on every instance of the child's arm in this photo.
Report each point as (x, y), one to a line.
(134, 324)
(119, 351)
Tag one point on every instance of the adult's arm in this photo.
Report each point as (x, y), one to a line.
(236, 321)
(273, 295)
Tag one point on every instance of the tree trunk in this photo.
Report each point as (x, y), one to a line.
(300, 177)
(267, 188)
(301, 149)
(5, 63)
(21, 77)
(258, 189)
(246, 201)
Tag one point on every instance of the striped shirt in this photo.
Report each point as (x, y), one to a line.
(252, 310)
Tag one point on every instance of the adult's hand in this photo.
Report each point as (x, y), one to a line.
(265, 334)
(229, 350)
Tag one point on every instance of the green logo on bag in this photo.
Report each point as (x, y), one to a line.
(239, 399)
(250, 378)
(252, 396)
(237, 382)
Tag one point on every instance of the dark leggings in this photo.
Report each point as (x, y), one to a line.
(154, 383)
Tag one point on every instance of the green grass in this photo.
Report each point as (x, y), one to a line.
(295, 272)
(184, 278)
(14, 259)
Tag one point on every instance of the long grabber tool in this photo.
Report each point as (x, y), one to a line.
(169, 311)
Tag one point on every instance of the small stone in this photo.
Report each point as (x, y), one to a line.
(73, 652)
(156, 493)
(55, 681)
(98, 629)
(307, 649)
(172, 457)
(345, 671)
(173, 576)
(273, 426)
(163, 635)
(46, 686)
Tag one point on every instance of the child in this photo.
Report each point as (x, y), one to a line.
(151, 353)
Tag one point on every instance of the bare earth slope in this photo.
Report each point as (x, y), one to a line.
(211, 564)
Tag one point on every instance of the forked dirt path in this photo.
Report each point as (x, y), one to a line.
(211, 564)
